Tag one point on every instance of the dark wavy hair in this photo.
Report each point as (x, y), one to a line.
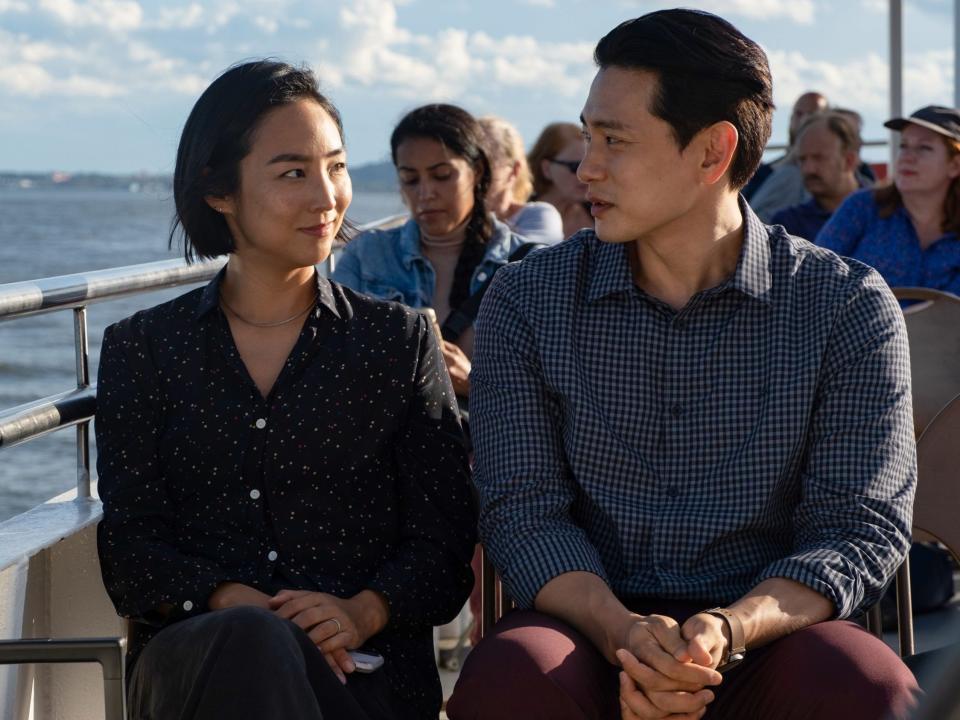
(707, 72)
(218, 136)
(458, 131)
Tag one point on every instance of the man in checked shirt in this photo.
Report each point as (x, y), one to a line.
(694, 445)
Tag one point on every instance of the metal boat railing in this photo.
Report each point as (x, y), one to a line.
(75, 292)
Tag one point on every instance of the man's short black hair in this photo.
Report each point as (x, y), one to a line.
(707, 71)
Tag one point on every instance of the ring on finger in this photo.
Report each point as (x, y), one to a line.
(337, 623)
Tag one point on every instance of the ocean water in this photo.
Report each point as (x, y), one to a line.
(56, 232)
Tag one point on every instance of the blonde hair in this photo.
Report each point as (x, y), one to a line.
(505, 142)
(551, 141)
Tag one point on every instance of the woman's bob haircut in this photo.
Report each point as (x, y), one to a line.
(218, 135)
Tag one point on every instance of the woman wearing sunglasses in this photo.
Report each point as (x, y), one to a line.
(553, 161)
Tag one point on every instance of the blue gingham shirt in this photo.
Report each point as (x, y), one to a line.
(762, 431)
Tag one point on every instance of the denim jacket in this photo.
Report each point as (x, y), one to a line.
(388, 264)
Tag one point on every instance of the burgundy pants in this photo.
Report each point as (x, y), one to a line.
(535, 666)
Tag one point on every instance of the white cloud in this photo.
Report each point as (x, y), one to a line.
(448, 64)
(797, 11)
(115, 15)
(268, 25)
(13, 6)
(863, 84)
(181, 18)
(928, 79)
(860, 84)
(32, 80)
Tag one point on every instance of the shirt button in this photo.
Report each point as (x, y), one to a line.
(255, 493)
(260, 423)
(187, 606)
(272, 555)
(481, 276)
(676, 410)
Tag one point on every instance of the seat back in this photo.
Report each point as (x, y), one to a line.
(936, 509)
(933, 329)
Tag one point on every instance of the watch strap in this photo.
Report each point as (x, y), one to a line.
(736, 630)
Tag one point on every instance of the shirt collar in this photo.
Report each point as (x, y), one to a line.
(611, 268)
(752, 276)
(210, 297)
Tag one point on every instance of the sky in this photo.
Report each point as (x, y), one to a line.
(106, 85)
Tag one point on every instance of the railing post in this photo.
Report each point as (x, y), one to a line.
(83, 381)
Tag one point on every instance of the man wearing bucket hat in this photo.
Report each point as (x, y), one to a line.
(908, 230)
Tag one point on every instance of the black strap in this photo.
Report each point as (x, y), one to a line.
(462, 317)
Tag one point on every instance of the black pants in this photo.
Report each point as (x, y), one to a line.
(247, 663)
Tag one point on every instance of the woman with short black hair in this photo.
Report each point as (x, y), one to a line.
(268, 509)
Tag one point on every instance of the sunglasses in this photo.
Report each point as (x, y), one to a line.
(570, 165)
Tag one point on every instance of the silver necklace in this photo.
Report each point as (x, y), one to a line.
(276, 323)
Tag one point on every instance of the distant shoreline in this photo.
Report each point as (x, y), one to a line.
(372, 177)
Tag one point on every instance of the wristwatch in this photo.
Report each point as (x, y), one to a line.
(736, 651)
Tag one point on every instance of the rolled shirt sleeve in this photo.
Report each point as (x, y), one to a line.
(852, 524)
(525, 486)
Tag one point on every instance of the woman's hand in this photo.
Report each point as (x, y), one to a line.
(234, 594)
(458, 365)
(334, 624)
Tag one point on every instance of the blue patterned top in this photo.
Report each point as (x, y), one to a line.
(762, 431)
(891, 246)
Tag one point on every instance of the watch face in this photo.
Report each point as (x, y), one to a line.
(731, 662)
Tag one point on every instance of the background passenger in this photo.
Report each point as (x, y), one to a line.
(267, 504)
(511, 185)
(452, 245)
(783, 184)
(553, 161)
(827, 152)
(865, 175)
(908, 230)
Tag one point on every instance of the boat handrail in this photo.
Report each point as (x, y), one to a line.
(75, 292)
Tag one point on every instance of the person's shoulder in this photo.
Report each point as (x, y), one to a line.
(549, 267)
(537, 211)
(375, 240)
(385, 317)
(539, 222)
(862, 202)
(817, 271)
(785, 215)
(167, 318)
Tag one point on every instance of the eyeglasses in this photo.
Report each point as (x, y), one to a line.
(570, 165)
